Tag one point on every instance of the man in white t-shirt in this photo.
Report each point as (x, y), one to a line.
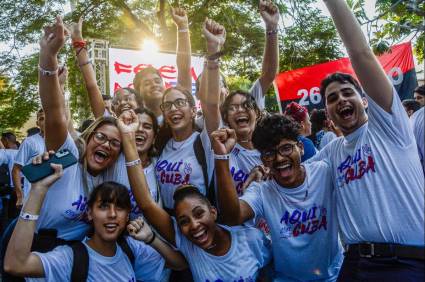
(376, 170)
(297, 203)
(32, 146)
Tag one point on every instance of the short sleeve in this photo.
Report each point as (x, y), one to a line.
(57, 264)
(24, 153)
(253, 198)
(395, 125)
(149, 264)
(3, 157)
(256, 92)
(70, 145)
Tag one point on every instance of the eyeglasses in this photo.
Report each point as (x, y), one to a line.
(125, 99)
(178, 103)
(101, 138)
(244, 106)
(284, 150)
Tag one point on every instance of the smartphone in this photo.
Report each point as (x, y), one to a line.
(37, 172)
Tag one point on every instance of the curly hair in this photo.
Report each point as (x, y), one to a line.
(272, 129)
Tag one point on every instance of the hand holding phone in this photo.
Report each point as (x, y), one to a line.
(36, 172)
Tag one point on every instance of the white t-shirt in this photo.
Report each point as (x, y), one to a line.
(327, 137)
(417, 121)
(57, 264)
(178, 165)
(248, 253)
(66, 201)
(303, 225)
(153, 188)
(256, 91)
(7, 156)
(31, 147)
(379, 179)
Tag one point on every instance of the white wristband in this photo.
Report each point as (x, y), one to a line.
(44, 72)
(133, 163)
(222, 157)
(184, 30)
(28, 216)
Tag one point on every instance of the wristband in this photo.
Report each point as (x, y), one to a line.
(184, 30)
(79, 44)
(28, 216)
(222, 157)
(152, 239)
(85, 63)
(272, 31)
(215, 56)
(213, 65)
(133, 163)
(47, 72)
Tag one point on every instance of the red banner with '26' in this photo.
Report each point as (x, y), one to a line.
(303, 85)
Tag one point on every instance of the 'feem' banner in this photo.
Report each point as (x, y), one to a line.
(303, 85)
(125, 63)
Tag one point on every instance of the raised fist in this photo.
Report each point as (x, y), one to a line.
(179, 17)
(223, 140)
(270, 14)
(215, 34)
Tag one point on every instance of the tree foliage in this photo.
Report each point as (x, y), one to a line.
(306, 38)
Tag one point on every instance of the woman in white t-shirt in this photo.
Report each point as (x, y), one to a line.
(178, 164)
(108, 211)
(214, 252)
(145, 136)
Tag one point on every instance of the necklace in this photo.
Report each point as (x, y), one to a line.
(175, 148)
(284, 197)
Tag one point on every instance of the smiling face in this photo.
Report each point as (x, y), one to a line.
(196, 221)
(151, 87)
(284, 161)
(109, 219)
(101, 156)
(345, 106)
(145, 135)
(177, 111)
(419, 98)
(241, 116)
(124, 100)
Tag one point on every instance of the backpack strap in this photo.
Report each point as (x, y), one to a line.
(80, 263)
(122, 242)
(200, 157)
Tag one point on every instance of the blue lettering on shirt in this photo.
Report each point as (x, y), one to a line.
(300, 222)
(356, 166)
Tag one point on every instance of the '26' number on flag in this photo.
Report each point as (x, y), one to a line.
(313, 96)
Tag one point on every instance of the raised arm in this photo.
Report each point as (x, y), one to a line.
(52, 99)
(155, 215)
(184, 51)
(366, 66)
(86, 68)
(16, 178)
(215, 36)
(141, 231)
(233, 211)
(270, 14)
(19, 260)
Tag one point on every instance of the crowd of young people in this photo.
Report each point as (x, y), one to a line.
(159, 194)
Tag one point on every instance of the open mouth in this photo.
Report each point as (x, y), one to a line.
(284, 169)
(346, 112)
(175, 119)
(100, 156)
(111, 227)
(200, 237)
(140, 139)
(242, 121)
